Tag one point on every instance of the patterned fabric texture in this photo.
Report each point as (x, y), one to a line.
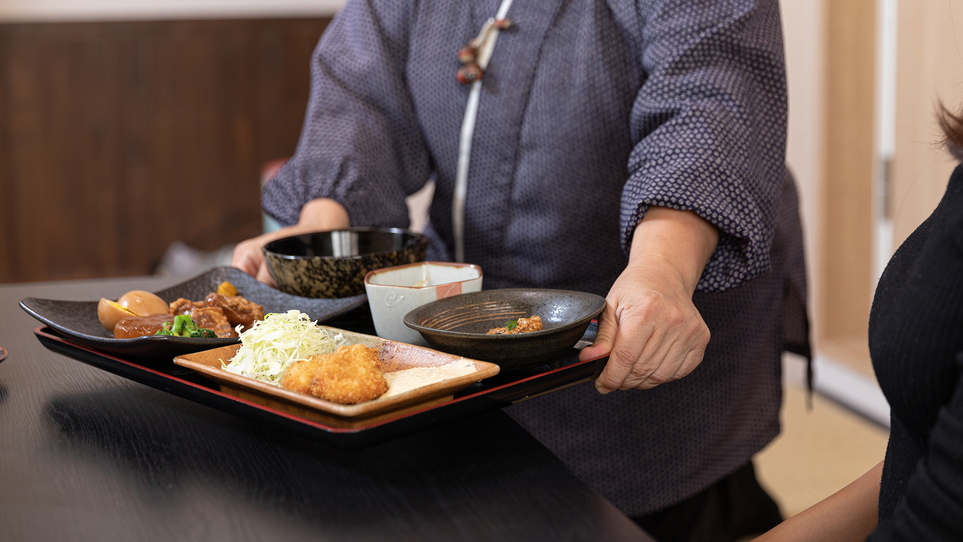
(590, 112)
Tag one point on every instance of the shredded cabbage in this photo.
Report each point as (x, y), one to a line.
(271, 345)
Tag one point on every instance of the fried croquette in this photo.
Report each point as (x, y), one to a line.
(299, 374)
(348, 376)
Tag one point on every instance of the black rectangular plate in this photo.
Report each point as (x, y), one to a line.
(78, 319)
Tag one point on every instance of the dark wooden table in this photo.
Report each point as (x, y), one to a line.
(87, 455)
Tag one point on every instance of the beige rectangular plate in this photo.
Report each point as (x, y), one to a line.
(393, 356)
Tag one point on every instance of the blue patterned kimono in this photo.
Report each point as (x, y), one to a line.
(590, 111)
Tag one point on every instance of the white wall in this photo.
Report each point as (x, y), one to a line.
(803, 30)
(107, 10)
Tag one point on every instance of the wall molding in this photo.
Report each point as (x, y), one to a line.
(838, 382)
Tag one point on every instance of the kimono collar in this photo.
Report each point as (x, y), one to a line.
(474, 58)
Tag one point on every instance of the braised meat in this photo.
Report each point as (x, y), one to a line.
(239, 311)
(219, 313)
(185, 306)
(213, 318)
(137, 326)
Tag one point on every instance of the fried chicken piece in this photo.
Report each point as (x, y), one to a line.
(348, 376)
(213, 318)
(239, 311)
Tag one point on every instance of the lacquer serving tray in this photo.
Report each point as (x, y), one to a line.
(498, 391)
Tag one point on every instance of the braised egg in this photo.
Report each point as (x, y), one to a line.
(110, 312)
(143, 303)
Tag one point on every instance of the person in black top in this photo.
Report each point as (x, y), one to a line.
(916, 343)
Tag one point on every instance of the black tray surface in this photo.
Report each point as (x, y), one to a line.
(499, 391)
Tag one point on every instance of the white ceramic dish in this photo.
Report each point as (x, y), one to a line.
(393, 292)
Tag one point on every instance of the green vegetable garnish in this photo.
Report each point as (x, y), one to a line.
(510, 325)
(184, 326)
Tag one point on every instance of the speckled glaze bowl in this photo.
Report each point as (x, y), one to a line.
(331, 264)
(459, 324)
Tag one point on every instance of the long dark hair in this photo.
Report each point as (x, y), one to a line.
(951, 124)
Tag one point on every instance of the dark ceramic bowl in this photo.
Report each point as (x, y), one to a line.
(459, 324)
(332, 264)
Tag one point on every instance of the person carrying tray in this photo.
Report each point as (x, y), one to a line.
(630, 149)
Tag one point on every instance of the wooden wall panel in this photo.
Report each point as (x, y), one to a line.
(929, 71)
(845, 272)
(117, 139)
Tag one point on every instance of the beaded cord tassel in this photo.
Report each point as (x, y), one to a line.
(474, 56)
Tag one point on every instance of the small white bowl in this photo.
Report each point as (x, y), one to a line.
(395, 291)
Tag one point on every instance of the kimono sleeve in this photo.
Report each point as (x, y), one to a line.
(360, 143)
(710, 127)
